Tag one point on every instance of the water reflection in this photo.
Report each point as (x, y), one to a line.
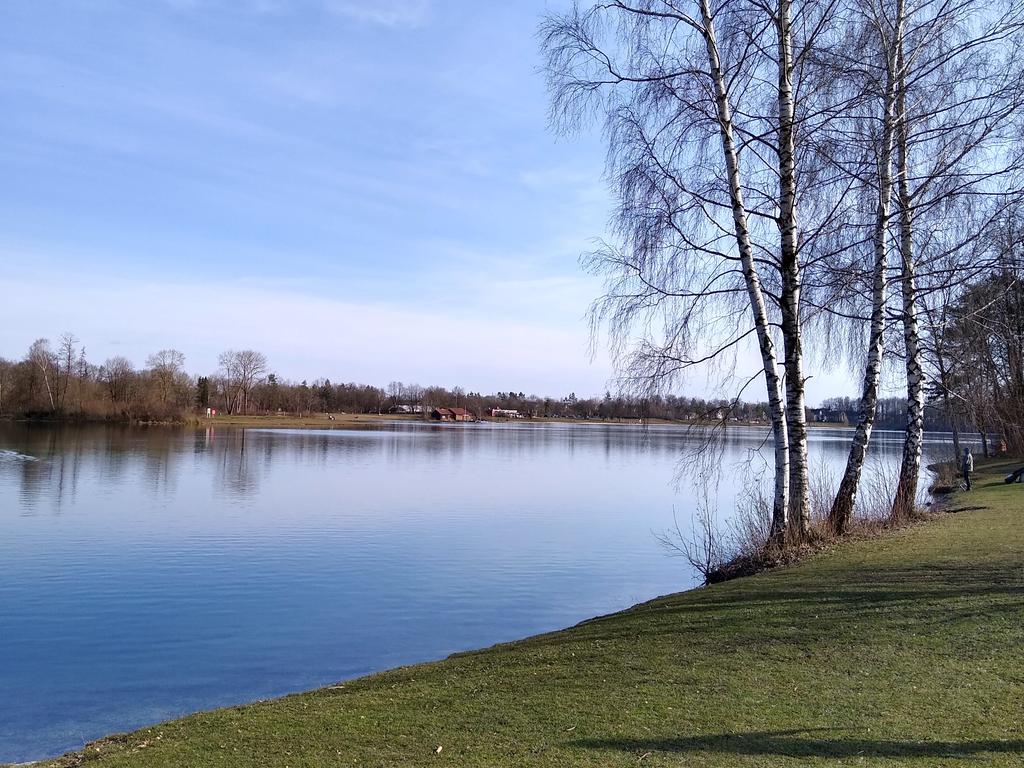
(243, 459)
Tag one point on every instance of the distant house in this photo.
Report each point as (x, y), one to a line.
(452, 414)
(406, 409)
(505, 413)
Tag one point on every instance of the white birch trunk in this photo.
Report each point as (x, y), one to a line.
(846, 497)
(910, 466)
(796, 415)
(780, 504)
(46, 382)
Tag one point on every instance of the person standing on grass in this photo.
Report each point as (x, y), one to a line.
(967, 466)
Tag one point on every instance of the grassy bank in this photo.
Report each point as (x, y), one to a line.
(904, 650)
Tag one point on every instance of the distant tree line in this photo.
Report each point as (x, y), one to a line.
(975, 351)
(890, 413)
(977, 354)
(59, 381)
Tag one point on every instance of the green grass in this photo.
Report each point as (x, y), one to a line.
(901, 650)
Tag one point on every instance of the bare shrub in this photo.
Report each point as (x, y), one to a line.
(945, 477)
(751, 527)
(823, 483)
(704, 548)
(742, 546)
(877, 489)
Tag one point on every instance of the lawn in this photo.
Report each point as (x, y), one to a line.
(900, 650)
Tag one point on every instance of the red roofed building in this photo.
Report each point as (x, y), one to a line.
(452, 414)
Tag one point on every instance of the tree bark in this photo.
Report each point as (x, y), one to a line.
(841, 512)
(910, 466)
(796, 415)
(752, 280)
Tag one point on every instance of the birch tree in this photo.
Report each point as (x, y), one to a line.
(941, 83)
(242, 370)
(167, 369)
(666, 76)
(881, 29)
(959, 88)
(118, 374)
(41, 358)
(656, 73)
(789, 268)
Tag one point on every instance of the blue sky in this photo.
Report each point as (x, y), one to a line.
(363, 190)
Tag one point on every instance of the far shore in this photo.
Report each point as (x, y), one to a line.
(340, 420)
(343, 420)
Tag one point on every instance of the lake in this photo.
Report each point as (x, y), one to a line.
(150, 572)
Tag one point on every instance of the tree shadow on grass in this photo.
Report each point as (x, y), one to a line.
(804, 743)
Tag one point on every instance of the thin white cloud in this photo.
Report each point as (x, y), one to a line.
(183, 5)
(559, 177)
(389, 13)
(317, 90)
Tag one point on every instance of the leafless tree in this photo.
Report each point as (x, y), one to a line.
(242, 370)
(959, 91)
(932, 134)
(396, 392)
(877, 30)
(83, 375)
(974, 343)
(709, 110)
(118, 375)
(6, 371)
(67, 354)
(166, 367)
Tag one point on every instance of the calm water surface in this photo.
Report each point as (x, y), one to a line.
(147, 573)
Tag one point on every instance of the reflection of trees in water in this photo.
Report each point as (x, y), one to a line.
(235, 471)
(159, 468)
(54, 473)
(320, 448)
(241, 460)
(62, 454)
